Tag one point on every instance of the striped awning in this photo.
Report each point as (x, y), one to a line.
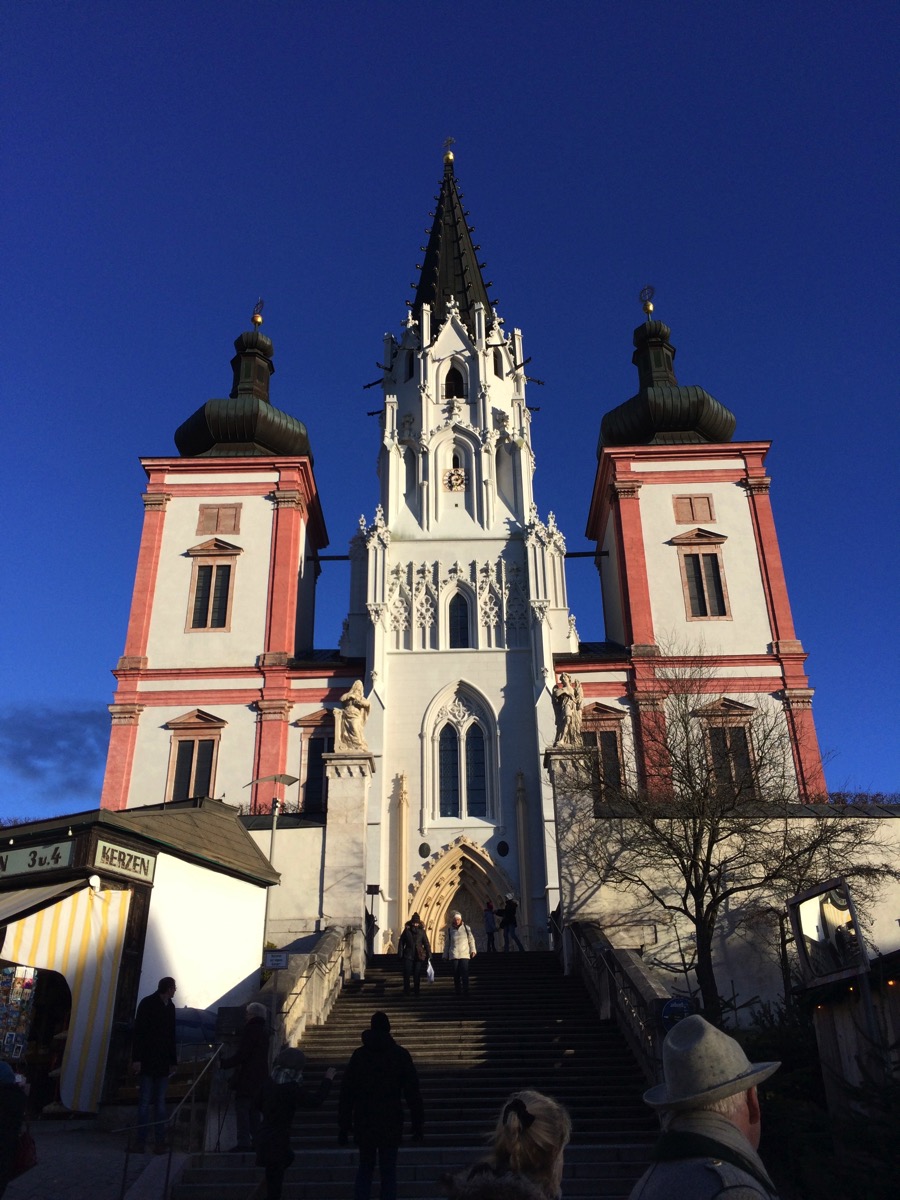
(81, 937)
(25, 900)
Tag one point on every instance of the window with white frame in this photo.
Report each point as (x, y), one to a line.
(193, 753)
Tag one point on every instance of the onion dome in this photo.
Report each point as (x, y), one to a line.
(663, 412)
(450, 270)
(246, 424)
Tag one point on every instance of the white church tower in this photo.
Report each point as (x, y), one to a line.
(458, 604)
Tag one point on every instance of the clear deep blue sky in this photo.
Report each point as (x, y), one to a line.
(168, 163)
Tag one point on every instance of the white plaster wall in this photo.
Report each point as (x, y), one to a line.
(169, 644)
(206, 930)
(234, 766)
(295, 905)
(748, 631)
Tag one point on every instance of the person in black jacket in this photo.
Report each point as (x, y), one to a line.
(415, 952)
(379, 1078)
(153, 1060)
(12, 1112)
(282, 1095)
(251, 1069)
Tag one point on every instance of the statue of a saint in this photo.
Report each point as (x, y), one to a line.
(350, 721)
(567, 699)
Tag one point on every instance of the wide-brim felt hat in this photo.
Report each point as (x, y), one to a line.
(702, 1064)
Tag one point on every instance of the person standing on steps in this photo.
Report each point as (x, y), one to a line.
(459, 949)
(490, 925)
(415, 952)
(380, 1077)
(251, 1069)
(282, 1094)
(710, 1118)
(508, 921)
(153, 1060)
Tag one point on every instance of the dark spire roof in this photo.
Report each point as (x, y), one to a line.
(245, 423)
(663, 412)
(450, 269)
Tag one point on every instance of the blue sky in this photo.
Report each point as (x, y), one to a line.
(168, 163)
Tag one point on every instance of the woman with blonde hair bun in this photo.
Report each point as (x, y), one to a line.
(526, 1159)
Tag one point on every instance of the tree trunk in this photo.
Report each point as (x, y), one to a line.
(706, 976)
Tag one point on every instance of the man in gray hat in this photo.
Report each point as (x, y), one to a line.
(710, 1118)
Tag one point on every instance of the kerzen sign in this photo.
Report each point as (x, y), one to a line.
(117, 859)
(29, 860)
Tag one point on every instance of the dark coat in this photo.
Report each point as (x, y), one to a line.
(279, 1103)
(410, 940)
(379, 1077)
(507, 915)
(12, 1111)
(153, 1045)
(251, 1059)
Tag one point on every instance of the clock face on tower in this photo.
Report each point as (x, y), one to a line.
(455, 480)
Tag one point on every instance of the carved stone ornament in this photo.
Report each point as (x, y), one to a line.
(376, 612)
(539, 534)
(350, 720)
(540, 608)
(377, 534)
(155, 500)
(568, 699)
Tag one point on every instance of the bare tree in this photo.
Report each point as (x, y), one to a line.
(711, 821)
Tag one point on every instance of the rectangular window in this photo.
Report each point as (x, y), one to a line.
(689, 510)
(605, 750)
(219, 518)
(448, 764)
(476, 783)
(193, 768)
(212, 596)
(704, 586)
(731, 761)
(315, 787)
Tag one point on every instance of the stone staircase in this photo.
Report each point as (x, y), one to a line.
(522, 1025)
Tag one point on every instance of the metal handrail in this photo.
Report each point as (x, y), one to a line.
(190, 1094)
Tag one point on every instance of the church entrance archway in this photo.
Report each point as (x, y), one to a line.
(462, 877)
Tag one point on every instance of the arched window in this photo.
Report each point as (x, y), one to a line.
(454, 385)
(410, 364)
(458, 622)
(476, 780)
(498, 362)
(449, 771)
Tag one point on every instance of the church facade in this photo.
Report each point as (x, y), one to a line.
(413, 759)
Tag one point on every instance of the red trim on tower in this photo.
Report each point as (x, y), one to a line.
(120, 755)
(145, 575)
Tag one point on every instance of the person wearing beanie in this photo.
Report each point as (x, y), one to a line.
(710, 1118)
(459, 948)
(12, 1113)
(379, 1079)
(414, 951)
(282, 1094)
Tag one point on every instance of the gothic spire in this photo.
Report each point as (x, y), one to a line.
(450, 269)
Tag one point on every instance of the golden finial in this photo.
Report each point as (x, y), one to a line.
(448, 153)
(646, 298)
(257, 312)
